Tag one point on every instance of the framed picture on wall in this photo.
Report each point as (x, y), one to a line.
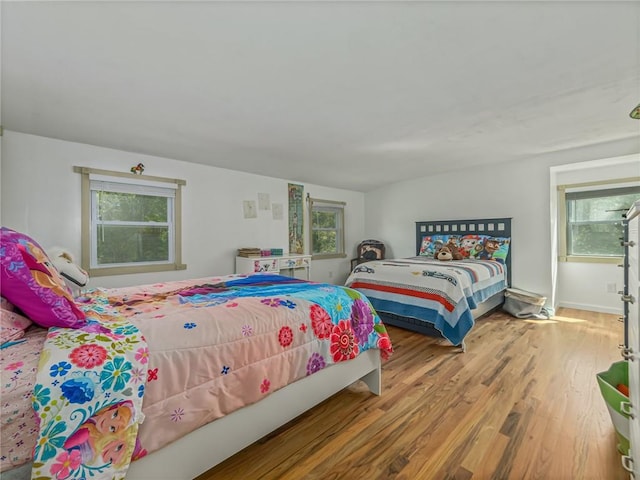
(296, 218)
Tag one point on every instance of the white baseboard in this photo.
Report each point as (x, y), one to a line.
(592, 308)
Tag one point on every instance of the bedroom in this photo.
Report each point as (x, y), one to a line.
(41, 193)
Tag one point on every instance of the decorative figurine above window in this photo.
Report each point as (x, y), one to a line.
(137, 169)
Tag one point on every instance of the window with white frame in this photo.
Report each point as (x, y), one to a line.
(327, 228)
(131, 224)
(591, 220)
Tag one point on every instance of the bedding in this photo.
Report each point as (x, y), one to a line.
(189, 352)
(18, 420)
(480, 247)
(440, 293)
(31, 282)
(88, 399)
(12, 324)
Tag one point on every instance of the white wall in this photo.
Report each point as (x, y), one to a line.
(518, 189)
(41, 197)
(571, 289)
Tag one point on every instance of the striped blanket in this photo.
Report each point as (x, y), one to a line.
(440, 293)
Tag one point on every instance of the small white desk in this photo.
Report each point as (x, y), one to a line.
(282, 264)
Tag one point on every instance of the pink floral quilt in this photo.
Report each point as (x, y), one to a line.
(217, 344)
(158, 361)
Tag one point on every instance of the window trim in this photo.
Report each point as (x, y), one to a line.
(563, 256)
(86, 224)
(329, 203)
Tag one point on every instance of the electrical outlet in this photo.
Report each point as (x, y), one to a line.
(330, 274)
(611, 287)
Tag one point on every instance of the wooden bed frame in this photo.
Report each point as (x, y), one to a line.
(497, 227)
(211, 444)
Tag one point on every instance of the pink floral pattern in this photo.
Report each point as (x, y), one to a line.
(88, 356)
(285, 336)
(344, 345)
(265, 386)
(68, 461)
(14, 366)
(320, 322)
(142, 355)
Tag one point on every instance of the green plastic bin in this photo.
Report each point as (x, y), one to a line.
(607, 381)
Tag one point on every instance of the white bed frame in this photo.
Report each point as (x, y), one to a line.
(209, 445)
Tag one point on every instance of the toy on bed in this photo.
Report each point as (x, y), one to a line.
(448, 252)
(75, 277)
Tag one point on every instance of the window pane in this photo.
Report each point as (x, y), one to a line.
(597, 209)
(132, 244)
(594, 224)
(601, 239)
(324, 241)
(324, 219)
(129, 207)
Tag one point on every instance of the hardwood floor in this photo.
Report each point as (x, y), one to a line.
(521, 403)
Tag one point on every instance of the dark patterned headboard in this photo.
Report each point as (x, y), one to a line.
(497, 227)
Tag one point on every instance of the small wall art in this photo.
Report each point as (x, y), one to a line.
(249, 209)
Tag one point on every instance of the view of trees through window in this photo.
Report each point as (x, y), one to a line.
(132, 228)
(324, 231)
(594, 223)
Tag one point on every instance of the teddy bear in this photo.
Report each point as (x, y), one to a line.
(449, 251)
(444, 254)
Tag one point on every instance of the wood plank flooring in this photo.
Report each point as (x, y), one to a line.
(521, 403)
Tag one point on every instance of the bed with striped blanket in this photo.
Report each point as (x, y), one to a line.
(442, 298)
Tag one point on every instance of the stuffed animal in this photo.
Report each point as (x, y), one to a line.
(444, 254)
(455, 251)
(74, 276)
(449, 252)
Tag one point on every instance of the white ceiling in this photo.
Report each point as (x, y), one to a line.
(346, 94)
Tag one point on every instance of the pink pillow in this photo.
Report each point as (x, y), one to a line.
(12, 324)
(29, 281)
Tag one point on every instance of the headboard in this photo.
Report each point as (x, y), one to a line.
(497, 227)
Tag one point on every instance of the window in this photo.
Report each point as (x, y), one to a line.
(591, 220)
(327, 228)
(130, 224)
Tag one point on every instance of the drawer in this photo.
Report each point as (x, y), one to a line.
(270, 265)
(296, 262)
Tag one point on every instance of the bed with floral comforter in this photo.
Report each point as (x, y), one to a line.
(158, 361)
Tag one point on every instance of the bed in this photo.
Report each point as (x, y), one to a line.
(442, 298)
(177, 376)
